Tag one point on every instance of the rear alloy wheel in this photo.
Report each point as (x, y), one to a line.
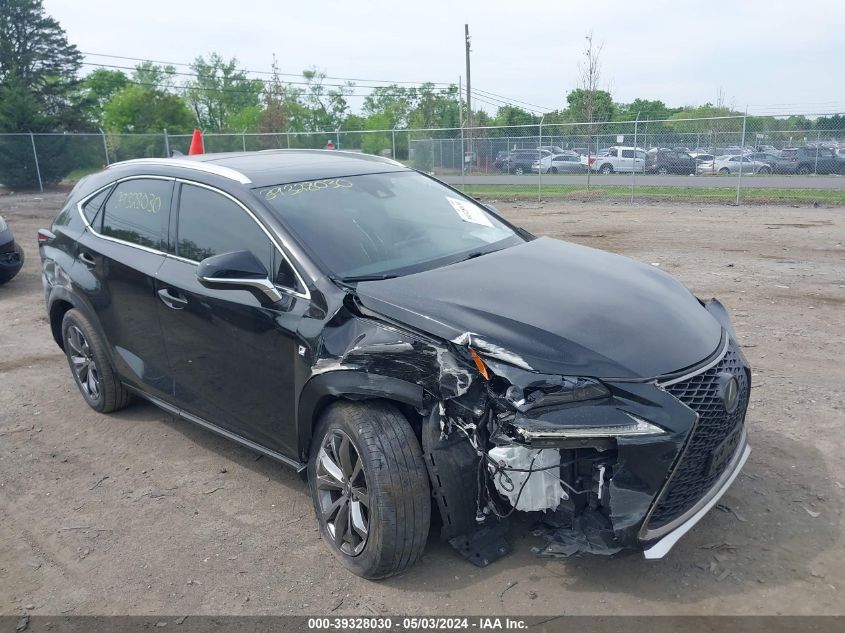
(662, 170)
(518, 171)
(94, 375)
(370, 489)
(606, 169)
(765, 170)
(725, 171)
(804, 170)
(553, 170)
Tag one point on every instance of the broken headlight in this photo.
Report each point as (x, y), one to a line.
(568, 390)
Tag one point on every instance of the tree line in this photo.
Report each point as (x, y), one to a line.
(43, 89)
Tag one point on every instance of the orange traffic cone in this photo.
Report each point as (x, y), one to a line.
(196, 144)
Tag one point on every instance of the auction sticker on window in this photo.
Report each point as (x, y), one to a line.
(468, 212)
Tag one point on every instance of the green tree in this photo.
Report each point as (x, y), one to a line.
(435, 108)
(139, 109)
(283, 110)
(654, 110)
(514, 115)
(327, 105)
(221, 93)
(587, 107)
(97, 89)
(38, 86)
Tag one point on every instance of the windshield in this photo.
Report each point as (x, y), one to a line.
(385, 224)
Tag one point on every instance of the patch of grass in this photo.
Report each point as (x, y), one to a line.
(750, 195)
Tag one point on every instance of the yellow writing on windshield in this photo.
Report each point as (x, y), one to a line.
(308, 186)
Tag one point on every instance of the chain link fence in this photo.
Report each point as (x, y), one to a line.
(729, 152)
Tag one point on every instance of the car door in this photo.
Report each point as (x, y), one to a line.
(232, 358)
(626, 162)
(117, 259)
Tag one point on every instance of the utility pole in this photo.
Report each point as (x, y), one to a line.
(469, 94)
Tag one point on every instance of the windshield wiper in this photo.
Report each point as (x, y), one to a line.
(378, 277)
(475, 254)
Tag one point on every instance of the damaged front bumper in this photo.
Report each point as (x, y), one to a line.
(640, 465)
(659, 549)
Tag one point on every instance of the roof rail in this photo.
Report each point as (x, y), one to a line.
(209, 168)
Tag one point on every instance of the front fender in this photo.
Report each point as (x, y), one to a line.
(354, 385)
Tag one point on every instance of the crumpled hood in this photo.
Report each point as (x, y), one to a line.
(557, 308)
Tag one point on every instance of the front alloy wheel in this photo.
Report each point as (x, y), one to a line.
(369, 486)
(342, 493)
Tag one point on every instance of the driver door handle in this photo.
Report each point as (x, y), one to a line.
(172, 301)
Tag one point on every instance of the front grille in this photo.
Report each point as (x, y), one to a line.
(714, 439)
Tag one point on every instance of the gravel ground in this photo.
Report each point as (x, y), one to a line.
(140, 513)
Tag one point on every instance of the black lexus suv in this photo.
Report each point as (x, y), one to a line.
(406, 348)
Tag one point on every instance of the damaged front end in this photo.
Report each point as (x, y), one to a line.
(606, 464)
(612, 464)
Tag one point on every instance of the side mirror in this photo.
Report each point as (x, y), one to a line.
(239, 270)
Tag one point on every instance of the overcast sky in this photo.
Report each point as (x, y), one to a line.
(775, 56)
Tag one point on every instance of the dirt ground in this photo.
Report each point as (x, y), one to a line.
(140, 513)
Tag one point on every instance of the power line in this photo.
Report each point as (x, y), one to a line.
(269, 72)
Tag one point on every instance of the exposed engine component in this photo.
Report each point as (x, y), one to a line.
(528, 478)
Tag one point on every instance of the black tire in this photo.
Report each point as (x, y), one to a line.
(97, 381)
(518, 170)
(724, 171)
(606, 169)
(804, 170)
(395, 484)
(9, 273)
(765, 170)
(662, 170)
(553, 170)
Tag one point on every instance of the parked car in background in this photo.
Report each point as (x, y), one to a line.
(568, 163)
(778, 163)
(725, 165)
(11, 253)
(701, 157)
(554, 149)
(814, 160)
(501, 158)
(520, 161)
(669, 161)
(615, 159)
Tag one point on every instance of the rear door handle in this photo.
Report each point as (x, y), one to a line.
(174, 302)
(87, 259)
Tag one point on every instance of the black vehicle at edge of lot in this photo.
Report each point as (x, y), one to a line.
(406, 348)
(11, 253)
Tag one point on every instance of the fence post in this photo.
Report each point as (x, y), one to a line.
(105, 145)
(393, 140)
(243, 139)
(741, 156)
(166, 144)
(37, 168)
(818, 143)
(540, 163)
(634, 165)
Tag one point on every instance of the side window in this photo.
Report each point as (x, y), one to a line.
(138, 211)
(627, 153)
(212, 224)
(91, 209)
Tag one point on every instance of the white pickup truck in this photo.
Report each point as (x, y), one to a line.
(617, 159)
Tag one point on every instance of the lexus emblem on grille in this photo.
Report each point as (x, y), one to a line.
(729, 391)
